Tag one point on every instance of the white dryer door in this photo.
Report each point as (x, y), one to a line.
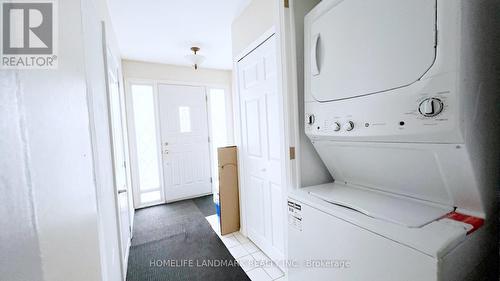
(360, 47)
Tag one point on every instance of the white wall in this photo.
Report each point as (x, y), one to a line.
(20, 249)
(479, 80)
(258, 17)
(311, 168)
(58, 159)
(175, 73)
(50, 223)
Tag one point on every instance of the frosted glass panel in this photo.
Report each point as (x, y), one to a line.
(218, 112)
(145, 137)
(218, 124)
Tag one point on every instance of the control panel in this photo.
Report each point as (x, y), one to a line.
(393, 116)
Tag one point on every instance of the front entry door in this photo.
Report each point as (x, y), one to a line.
(262, 143)
(184, 141)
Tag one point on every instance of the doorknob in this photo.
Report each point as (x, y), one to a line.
(120, 191)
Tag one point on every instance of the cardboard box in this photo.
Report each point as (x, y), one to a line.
(228, 189)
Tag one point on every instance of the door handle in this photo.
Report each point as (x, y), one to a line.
(314, 55)
(120, 191)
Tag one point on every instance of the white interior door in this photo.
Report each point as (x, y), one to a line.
(119, 156)
(261, 149)
(184, 141)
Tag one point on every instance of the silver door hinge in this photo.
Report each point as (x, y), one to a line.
(208, 139)
(292, 152)
(211, 180)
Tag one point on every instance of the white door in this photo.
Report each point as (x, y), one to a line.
(119, 156)
(262, 148)
(184, 141)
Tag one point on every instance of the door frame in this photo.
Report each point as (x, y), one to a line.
(129, 81)
(109, 57)
(283, 108)
(287, 73)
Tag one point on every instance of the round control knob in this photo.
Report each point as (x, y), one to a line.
(336, 126)
(431, 107)
(310, 119)
(349, 126)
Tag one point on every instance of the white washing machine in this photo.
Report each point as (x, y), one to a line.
(390, 111)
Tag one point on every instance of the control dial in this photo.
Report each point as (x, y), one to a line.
(431, 107)
(349, 126)
(336, 126)
(310, 119)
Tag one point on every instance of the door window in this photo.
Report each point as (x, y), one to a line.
(184, 119)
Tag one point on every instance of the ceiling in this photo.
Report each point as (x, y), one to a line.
(163, 31)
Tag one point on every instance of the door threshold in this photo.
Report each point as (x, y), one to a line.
(188, 197)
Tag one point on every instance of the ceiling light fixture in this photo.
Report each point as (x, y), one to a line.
(195, 59)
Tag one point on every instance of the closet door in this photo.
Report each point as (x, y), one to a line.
(261, 148)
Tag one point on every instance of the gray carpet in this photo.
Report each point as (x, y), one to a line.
(206, 205)
(175, 242)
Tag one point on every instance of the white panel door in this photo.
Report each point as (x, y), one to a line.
(184, 141)
(119, 155)
(261, 148)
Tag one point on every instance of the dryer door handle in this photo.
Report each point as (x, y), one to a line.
(314, 55)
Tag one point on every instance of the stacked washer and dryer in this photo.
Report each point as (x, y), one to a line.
(392, 114)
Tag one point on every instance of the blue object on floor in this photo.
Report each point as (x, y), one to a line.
(217, 209)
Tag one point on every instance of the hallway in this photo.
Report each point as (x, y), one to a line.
(175, 242)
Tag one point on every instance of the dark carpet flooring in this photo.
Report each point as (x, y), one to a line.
(206, 205)
(175, 242)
